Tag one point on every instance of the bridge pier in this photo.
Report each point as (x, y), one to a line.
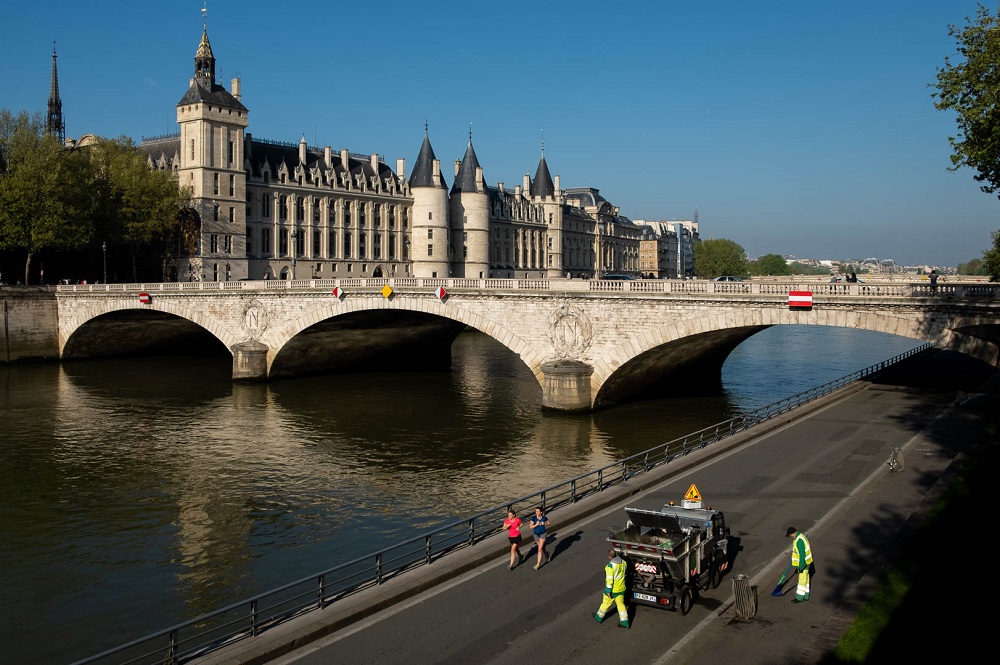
(249, 361)
(566, 385)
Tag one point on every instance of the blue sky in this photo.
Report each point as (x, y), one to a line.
(792, 127)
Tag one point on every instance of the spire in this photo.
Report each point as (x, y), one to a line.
(465, 179)
(423, 168)
(54, 119)
(542, 185)
(204, 59)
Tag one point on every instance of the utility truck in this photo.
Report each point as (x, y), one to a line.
(672, 554)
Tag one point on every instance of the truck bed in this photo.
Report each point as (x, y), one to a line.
(635, 536)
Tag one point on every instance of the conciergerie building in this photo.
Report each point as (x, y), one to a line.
(264, 209)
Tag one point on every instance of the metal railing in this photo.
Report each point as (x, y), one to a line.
(249, 618)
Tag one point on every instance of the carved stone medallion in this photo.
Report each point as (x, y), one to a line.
(255, 318)
(570, 331)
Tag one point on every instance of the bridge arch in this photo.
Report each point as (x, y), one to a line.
(279, 339)
(69, 326)
(702, 344)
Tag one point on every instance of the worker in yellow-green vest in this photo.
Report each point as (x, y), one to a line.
(614, 589)
(802, 561)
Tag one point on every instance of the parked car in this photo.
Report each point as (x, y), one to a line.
(617, 276)
(727, 278)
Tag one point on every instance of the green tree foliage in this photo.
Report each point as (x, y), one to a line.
(796, 268)
(971, 88)
(769, 265)
(713, 258)
(991, 259)
(136, 207)
(973, 267)
(45, 200)
(54, 198)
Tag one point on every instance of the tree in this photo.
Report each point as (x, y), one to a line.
(973, 267)
(713, 258)
(136, 207)
(991, 259)
(970, 88)
(45, 199)
(769, 264)
(797, 268)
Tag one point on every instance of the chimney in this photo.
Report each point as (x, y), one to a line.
(479, 178)
(527, 183)
(302, 150)
(401, 167)
(375, 162)
(327, 155)
(345, 159)
(236, 88)
(558, 188)
(458, 165)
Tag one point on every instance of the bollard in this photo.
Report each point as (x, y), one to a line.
(746, 597)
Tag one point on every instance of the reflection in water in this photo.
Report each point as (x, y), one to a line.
(141, 492)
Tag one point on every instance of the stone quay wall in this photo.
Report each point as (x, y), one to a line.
(29, 324)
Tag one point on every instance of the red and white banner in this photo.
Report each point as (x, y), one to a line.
(144, 298)
(441, 293)
(800, 299)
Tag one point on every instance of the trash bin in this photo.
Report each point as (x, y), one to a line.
(746, 597)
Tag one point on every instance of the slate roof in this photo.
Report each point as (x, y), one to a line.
(586, 196)
(274, 154)
(202, 91)
(423, 168)
(542, 184)
(465, 181)
(161, 151)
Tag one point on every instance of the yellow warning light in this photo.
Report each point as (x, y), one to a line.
(386, 291)
(692, 494)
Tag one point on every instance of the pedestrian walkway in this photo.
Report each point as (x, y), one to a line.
(468, 607)
(883, 513)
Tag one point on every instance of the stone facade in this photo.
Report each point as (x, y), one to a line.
(264, 209)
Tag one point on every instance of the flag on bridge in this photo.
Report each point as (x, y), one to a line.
(800, 299)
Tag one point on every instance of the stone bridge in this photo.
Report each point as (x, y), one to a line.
(589, 343)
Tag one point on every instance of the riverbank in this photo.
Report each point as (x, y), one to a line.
(852, 524)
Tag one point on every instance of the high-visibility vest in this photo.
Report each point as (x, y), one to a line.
(614, 576)
(796, 561)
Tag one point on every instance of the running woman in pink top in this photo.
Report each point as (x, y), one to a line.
(513, 527)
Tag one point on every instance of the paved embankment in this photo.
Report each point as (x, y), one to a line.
(822, 469)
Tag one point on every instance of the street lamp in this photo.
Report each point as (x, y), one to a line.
(104, 249)
(293, 254)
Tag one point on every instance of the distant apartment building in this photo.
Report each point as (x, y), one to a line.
(676, 259)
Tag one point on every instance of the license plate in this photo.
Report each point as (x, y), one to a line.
(644, 596)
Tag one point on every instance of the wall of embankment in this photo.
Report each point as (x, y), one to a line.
(29, 324)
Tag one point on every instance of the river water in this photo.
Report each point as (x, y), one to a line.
(137, 493)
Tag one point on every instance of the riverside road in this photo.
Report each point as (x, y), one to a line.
(822, 469)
